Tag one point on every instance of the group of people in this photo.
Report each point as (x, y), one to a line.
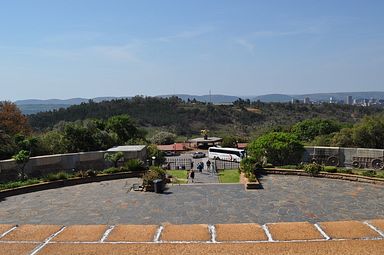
(200, 166)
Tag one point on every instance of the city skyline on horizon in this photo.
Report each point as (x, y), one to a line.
(97, 48)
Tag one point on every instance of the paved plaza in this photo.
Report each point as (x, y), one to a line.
(282, 199)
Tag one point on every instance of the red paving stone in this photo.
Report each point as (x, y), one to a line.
(348, 230)
(193, 232)
(379, 224)
(31, 233)
(24, 239)
(288, 231)
(133, 233)
(83, 233)
(240, 232)
(4, 228)
(16, 248)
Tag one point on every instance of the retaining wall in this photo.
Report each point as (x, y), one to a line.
(42, 165)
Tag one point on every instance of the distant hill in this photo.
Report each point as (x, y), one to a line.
(319, 96)
(70, 101)
(35, 108)
(342, 95)
(273, 98)
(206, 98)
(31, 106)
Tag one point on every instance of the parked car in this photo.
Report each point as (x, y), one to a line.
(198, 154)
(171, 153)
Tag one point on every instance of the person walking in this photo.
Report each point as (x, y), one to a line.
(192, 175)
(208, 165)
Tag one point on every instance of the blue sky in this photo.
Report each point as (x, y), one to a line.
(90, 48)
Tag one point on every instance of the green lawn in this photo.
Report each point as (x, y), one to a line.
(229, 176)
(181, 175)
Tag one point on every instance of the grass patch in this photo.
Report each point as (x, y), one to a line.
(180, 175)
(16, 184)
(229, 176)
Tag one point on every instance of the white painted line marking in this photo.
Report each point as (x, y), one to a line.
(34, 242)
(106, 233)
(266, 231)
(46, 241)
(322, 231)
(8, 231)
(374, 228)
(156, 238)
(212, 231)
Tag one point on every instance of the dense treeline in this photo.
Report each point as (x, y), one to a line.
(142, 120)
(172, 113)
(244, 118)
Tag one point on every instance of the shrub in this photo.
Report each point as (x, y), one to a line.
(369, 173)
(330, 169)
(247, 164)
(250, 176)
(313, 168)
(57, 176)
(91, 173)
(134, 165)
(153, 174)
(344, 171)
(288, 167)
(278, 148)
(112, 170)
(16, 184)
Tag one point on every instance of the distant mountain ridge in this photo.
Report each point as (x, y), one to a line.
(70, 101)
(30, 106)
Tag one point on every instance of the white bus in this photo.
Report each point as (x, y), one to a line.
(230, 154)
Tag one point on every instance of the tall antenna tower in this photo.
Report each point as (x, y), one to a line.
(210, 97)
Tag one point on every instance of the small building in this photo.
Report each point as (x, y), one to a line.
(131, 151)
(205, 143)
(176, 147)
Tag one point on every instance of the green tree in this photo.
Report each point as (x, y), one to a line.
(343, 138)
(229, 141)
(123, 126)
(53, 142)
(369, 132)
(7, 146)
(278, 148)
(153, 151)
(22, 158)
(163, 137)
(79, 138)
(307, 130)
(114, 157)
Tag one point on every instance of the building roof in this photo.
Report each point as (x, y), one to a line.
(172, 147)
(208, 140)
(128, 148)
(242, 145)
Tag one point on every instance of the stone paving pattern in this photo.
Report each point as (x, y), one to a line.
(282, 199)
(205, 243)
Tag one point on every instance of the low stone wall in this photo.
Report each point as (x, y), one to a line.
(43, 165)
(68, 182)
(340, 176)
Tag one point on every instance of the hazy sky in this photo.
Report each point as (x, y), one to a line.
(89, 48)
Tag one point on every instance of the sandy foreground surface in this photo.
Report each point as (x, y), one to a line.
(341, 237)
(356, 247)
